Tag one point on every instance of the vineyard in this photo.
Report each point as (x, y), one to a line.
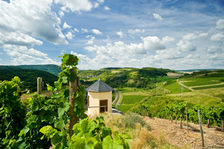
(57, 121)
(166, 107)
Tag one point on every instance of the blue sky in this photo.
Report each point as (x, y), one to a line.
(175, 34)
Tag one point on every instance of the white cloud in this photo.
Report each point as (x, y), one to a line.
(33, 18)
(157, 16)
(96, 5)
(84, 30)
(220, 24)
(100, 1)
(75, 5)
(22, 55)
(69, 35)
(120, 34)
(76, 30)
(203, 34)
(167, 39)
(153, 43)
(135, 31)
(17, 38)
(106, 8)
(61, 13)
(91, 40)
(190, 36)
(185, 45)
(66, 26)
(96, 31)
(218, 37)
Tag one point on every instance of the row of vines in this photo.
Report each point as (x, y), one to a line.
(164, 107)
(44, 122)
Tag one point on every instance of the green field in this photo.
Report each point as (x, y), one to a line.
(131, 96)
(174, 87)
(207, 87)
(125, 107)
(132, 99)
(203, 81)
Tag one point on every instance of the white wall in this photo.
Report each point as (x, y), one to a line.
(94, 100)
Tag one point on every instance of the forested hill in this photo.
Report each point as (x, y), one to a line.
(28, 76)
(125, 77)
(53, 69)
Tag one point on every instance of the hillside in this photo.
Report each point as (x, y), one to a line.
(126, 77)
(200, 90)
(28, 76)
(53, 69)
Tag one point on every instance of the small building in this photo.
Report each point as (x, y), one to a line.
(99, 98)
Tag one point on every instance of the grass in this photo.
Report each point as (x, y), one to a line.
(202, 81)
(131, 96)
(197, 97)
(137, 129)
(132, 99)
(208, 87)
(174, 87)
(125, 107)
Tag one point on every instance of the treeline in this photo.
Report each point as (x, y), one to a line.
(166, 107)
(28, 77)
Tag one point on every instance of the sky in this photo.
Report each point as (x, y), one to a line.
(174, 34)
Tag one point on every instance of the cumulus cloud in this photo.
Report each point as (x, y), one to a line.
(33, 18)
(135, 31)
(153, 43)
(75, 5)
(220, 24)
(185, 45)
(23, 55)
(190, 36)
(106, 8)
(96, 31)
(167, 39)
(17, 38)
(76, 30)
(84, 30)
(157, 16)
(66, 26)
(100, 1)
(218, 37)
(91, 40)
(120, 34)
(69, 35)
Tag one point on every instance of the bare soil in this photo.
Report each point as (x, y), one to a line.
(186, 138)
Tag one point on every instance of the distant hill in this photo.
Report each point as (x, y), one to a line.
(28, 76)
(125, 77)
(194, 70)
(53, 69)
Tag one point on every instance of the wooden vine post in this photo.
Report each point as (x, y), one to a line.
(39, 85)
(72, 89)
(187, 118)
(222, 125)
(201, 130)
(181, 126)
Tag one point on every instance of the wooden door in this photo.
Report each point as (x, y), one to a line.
(103, 106)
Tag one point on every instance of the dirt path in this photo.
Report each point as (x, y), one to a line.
(181, 84)
(183, 138)
(119, 98)
(208, 85)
